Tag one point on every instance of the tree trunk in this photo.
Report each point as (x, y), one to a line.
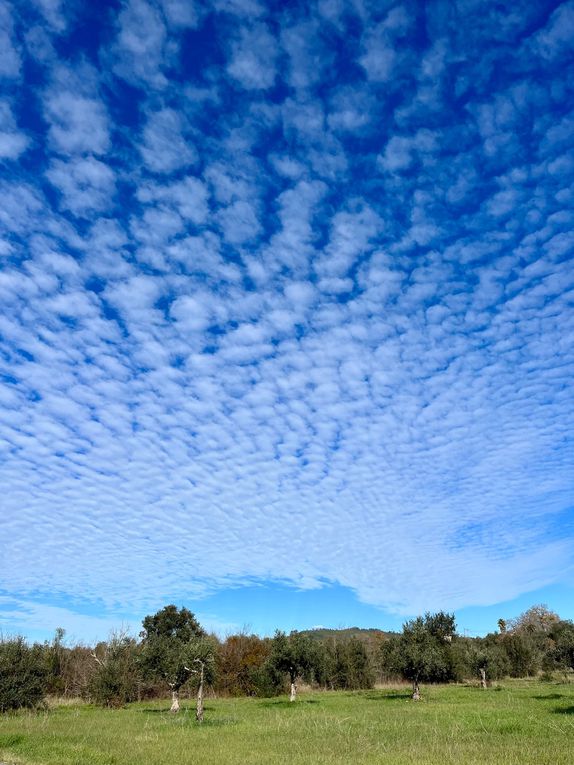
(293, 694)
(482, 678)
(416, 691)
(174, 701)
(199, 707)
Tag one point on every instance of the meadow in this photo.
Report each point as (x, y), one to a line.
(515, 722)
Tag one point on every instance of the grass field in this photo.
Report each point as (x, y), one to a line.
(521, 723)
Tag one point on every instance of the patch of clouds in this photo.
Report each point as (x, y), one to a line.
(86, 184)
(164, 147)
(188, 196)
(381, 46)
(78, 119)
(239, 222)
(554, 40)
(350, 325)
(10, 60)
(307, 59)
(252, 62)
(13, 142)
(248, 9)
(53, 12)
(138, 54)
(182, 14)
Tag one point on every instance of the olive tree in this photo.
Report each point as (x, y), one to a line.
(422, 652)
(293, 655)
(175, 649)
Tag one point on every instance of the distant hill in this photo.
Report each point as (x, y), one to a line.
(370, 635)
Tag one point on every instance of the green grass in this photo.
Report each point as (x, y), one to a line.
(521, 723)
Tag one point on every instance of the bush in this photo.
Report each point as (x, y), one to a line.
(23, 674)
(115, 681)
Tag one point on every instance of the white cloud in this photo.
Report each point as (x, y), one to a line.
(138, 53)
(10, 61)
(381, 47)
(87, 185)
(307, 59)
(164, 147)
(182, 13)
(555, 38)
(248, 9)
(253, 56)
(53, 12)
(78, 124)
(13, 142)
(239, 223)
(189, 197)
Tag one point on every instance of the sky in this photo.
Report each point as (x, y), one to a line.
(286, 312)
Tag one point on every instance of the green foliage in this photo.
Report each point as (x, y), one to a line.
(116, 679)
(172, 643)
(197, 651)
(268, 681)
(345, 664)
(172, 622)
(522, 652)
(560, 653)
(23, 674)
(294, 655)
(422, 653)
(471, 655)
(55, 661)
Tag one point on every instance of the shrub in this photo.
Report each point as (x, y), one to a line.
(23, 674)
(116, 678)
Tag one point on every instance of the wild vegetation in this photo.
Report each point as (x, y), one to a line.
(174, 654)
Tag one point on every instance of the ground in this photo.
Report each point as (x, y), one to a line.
(515, 723)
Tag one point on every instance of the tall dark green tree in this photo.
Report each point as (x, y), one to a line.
(175, 648)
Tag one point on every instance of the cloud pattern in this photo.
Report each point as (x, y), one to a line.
(286, 295)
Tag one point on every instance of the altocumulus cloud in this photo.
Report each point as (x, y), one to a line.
(286, 294)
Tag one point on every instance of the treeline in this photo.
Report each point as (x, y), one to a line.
(174, 654)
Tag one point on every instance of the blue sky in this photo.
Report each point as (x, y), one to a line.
(286, 312)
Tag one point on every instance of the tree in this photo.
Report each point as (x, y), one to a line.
(523, 653)
(23, 674)
(486, 659)
(55, 656)
(201, 660)
(172, 622)
(344, 664)
(292, 655)
(240, 661)
(560, 654)
(538, 618)
(422, 652)
(173, 646)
